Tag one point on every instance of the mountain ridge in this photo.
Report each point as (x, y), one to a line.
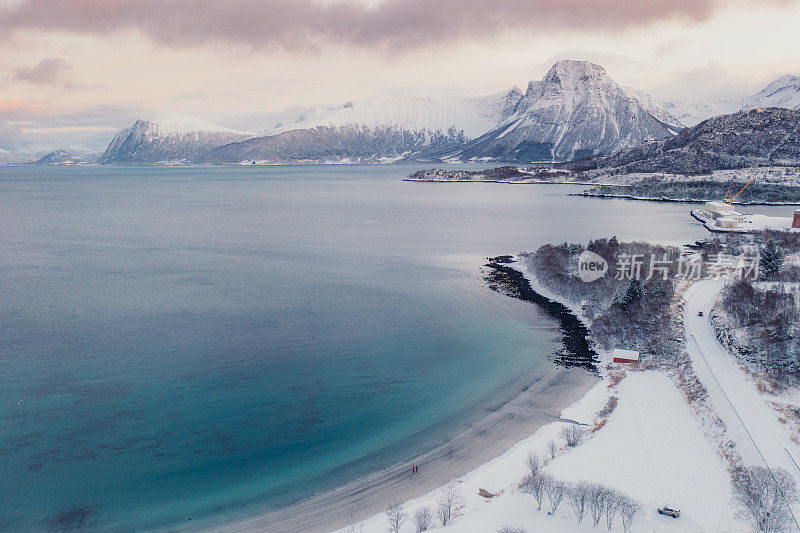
(750, 138)
(576, 110)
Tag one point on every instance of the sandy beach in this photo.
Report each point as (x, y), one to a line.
(491, 436)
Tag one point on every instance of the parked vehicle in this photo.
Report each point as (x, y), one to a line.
(668, 511)
(699, 313)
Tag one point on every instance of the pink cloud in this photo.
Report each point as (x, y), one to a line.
(293, 24)
(50, 71)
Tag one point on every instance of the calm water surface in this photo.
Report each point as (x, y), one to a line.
(183, 342)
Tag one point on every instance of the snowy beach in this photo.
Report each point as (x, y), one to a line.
(496, 434)
(659, 452)
(637, 452)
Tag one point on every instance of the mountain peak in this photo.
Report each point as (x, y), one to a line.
(782, 92)
(514, 93)
(570, 73)
(785, 80)
(576, 110)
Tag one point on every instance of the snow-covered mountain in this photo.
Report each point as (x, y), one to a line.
(65, 157)
(768, 136)
(374, 131)
(695, 113)
(168, 138)
(783, 92)
(576, 110)
(472, 115)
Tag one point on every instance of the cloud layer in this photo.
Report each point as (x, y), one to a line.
(303, 24)
(50, 71)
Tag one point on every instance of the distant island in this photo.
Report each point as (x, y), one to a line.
(504, 174)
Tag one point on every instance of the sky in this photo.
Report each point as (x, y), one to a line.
(73, 72)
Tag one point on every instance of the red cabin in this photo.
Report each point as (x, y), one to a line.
(625, 356)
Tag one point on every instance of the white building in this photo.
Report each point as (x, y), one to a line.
(625, 356)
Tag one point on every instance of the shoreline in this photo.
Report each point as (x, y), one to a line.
(670, 200)
(509, 182)
(503, 427)
(578, 351)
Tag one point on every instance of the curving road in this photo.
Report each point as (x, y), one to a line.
(750, 422)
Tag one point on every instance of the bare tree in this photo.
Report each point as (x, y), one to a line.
(536, 486)
(629, 511)
(597, 501)
(552, 448)
(612, 503)
(512, 529)
(555, 493)
(578, 497)
(355, 522)
(764, 496)
(534, 463)
(423, 518)
(573, 435)
(448, 500)
(395, 516)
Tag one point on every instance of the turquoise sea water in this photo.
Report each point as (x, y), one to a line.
(184, 342)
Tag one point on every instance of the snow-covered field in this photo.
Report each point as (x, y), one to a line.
(652, 448)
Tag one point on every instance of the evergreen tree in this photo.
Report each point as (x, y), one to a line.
(633, 293)
(771, 260)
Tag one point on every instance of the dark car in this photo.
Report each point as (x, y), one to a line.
(699, 313)
(668, 511)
